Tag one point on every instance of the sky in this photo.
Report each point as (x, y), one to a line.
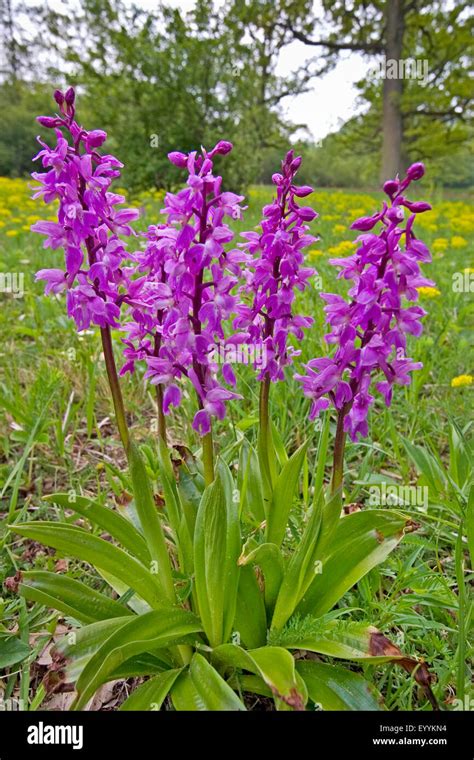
(333, 98)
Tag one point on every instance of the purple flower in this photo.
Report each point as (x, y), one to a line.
(89, 222)
(171, 397)
(180, 292)
(370, 330)
(416, 171)
(55, 280)
(275, 272)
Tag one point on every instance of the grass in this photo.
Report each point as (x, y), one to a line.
(57, 434)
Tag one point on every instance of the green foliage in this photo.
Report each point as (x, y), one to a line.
(216, 549)
(12, 651)
(361, 541)
(116, 634)
(151, 694)
(150, 522)
(282, 497)
(152, 631)
(19, 103)
(333, 688)
(164, 80)
(202, 688)
(70, 596)
(76, 542)
(274, 665)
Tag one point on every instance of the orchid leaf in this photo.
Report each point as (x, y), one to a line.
(216, 551)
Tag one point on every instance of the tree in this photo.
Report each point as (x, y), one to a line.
(393, 31)
(171, 80)
(392, 120)
(20, 96)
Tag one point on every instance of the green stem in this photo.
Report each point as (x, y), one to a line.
(338, 457)
(265, 431)
(115, 387)
(263, 408)
(161, 415)
(208, 458)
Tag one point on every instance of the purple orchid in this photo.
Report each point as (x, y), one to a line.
(182, 294)
(275, 271)
(369, 331)
(89, 222)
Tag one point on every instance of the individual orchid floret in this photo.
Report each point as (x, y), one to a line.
(370, 330)
(89, 223)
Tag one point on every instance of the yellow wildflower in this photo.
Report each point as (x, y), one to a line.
(429, 292)
(461, 380)
(440, 244)
(342, 248)
(458, 242)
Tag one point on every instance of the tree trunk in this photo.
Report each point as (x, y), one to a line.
(392, 90)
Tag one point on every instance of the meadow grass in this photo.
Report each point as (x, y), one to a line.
(57, 432)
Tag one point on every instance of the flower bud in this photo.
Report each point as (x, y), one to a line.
(277, 179)
(95, 138)
(295, 164)
(70, 96)
(59, 97)
(271, 210)
(417, 207)
(391, 187)
(47, 121)
(395, 214)
(416, 171)
(365, 223)
(222, 148)
(302, 191)
(306, 213)
(178, 159)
